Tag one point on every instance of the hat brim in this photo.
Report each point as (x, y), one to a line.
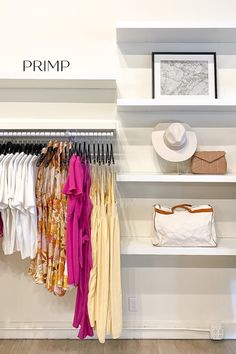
(174, 155)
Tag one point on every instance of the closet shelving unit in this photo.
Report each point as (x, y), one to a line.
(60, 123)
(175, 178)
(155, 32)
(142, 246)
(60, 87)
(98, 83)
(151, 105)
(143, 35)
(129, 32)
(65, 81)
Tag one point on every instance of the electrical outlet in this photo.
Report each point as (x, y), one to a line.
(132, 304)
(217, 332)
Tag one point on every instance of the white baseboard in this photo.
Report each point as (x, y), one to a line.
(131, 330)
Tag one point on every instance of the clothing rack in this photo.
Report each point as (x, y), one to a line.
(98, 143)
(56, 133)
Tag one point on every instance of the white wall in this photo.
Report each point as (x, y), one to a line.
(186, 292)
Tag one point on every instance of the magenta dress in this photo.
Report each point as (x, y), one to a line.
(1, 226)
(73, 188)
(78, 240)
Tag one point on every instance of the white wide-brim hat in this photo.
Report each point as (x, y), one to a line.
(174, 142)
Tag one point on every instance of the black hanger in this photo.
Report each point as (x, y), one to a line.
(9, 147)
(79, 150)
(94, 153)
(42, 156)
(84, 154)
(2, 148)
(53, 152)
(75, 148)
(41, 146)
(107, 154)
(98, 155)
(38, 148)
(89, 158)
(67, 154)
(26, 148)
(18, 148)
(32, 148)
(49, 155)
(70, 152)
(111, 155)
(13, 149)
(103, 154)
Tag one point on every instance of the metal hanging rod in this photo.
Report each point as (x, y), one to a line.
(48, 133)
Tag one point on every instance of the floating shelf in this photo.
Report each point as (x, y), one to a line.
(151, 105)
(91, 81)
(175, 178)
(156, 32)
(57, 123)
(143, 246)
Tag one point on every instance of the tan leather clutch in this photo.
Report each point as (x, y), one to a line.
(209, 162)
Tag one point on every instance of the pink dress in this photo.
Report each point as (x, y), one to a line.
(78, 240)
(74, 189)
(1, 226)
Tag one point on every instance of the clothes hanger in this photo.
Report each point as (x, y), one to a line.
(94, 154)
(38, 149)
(103, 154)
(107, 154)
(9, 147)
(70, 151)
(75, 148)
(2, 148)
(47, 149)
(32, 148)
(26, 148)
(84, 153)
(89, 159)
(80, 150)
(98, 155)
(111, 155)
(51, 152)
(13, 147)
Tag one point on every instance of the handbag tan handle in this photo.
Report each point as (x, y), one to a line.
(188, 206)
(183, 206)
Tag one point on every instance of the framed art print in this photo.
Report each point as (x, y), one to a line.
(186, 75)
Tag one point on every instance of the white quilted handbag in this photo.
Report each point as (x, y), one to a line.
(184, 225)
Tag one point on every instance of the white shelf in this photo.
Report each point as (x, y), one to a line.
(175, 178)
(143, 246)
(59, 81)
(57, 123)
(156, 32)
(152, 105)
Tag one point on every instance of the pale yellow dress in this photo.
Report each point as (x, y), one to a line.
(114, 323)
(95, 199)
(105, 300)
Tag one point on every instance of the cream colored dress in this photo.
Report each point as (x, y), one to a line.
(105, 300)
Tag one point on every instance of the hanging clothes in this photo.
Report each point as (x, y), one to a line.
(58, 207)
(115, 299)
(79, 252)
(17, 202)
(105, 298)
(49, 266)
(1, 226)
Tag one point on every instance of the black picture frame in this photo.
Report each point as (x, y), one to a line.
(184, 53)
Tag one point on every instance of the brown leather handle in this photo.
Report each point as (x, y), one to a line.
(183, 206)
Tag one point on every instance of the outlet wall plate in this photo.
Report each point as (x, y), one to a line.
(132, 304)
(217, 332)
